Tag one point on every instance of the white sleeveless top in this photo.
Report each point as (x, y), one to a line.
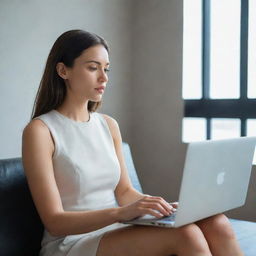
(87, 171)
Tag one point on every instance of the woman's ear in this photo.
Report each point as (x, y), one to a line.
(62, 70)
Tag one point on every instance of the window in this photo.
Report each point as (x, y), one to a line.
(219, 75)
(252, 50)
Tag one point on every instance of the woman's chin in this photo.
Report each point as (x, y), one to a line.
(96, 99)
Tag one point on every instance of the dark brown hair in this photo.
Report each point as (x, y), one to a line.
(52, 90)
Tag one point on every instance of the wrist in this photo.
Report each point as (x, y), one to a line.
(116, 214)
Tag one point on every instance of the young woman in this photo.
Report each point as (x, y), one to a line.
(73, 160)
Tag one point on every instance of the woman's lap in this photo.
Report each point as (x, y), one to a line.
(149, 240)
(137, 240)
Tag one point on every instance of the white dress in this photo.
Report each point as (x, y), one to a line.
(87, 171)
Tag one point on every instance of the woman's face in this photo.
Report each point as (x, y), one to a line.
(88, 73)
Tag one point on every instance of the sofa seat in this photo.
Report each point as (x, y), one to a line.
(246, 235)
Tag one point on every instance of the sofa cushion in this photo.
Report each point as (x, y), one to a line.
(21, 228)
(246, 235)
(130, 166)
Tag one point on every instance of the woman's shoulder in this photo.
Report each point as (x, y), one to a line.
(40, 122)
(36, 127)
(110, 120)
(112, 124)
(107, 117)
(37, 133)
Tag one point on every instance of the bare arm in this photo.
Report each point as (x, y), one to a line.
(37, 151)
(132, 203)
(129, 196)
(125, 192)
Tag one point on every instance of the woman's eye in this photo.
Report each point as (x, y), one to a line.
(95, 68)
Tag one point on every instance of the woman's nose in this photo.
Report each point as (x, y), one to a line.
(103, 76)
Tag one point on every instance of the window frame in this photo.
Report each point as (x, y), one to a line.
(243, 108)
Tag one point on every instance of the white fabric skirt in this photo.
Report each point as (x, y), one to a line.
(78, 245)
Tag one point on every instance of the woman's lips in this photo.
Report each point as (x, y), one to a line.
(100, 90)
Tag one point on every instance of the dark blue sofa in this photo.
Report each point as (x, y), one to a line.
(21, 229)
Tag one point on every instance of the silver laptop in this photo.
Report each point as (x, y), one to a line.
(215, 179)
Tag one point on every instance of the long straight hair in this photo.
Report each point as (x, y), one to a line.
(52, 89)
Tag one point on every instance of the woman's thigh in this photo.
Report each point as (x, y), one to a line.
(150, 241)
(138, 241)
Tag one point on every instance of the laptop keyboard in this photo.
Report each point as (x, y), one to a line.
(169, 218)
(149, 217)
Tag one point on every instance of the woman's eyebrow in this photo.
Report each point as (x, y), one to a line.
(97, 62)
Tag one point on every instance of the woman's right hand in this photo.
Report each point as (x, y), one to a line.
(152, 205)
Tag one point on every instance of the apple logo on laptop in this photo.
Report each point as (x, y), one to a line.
(221, 178)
